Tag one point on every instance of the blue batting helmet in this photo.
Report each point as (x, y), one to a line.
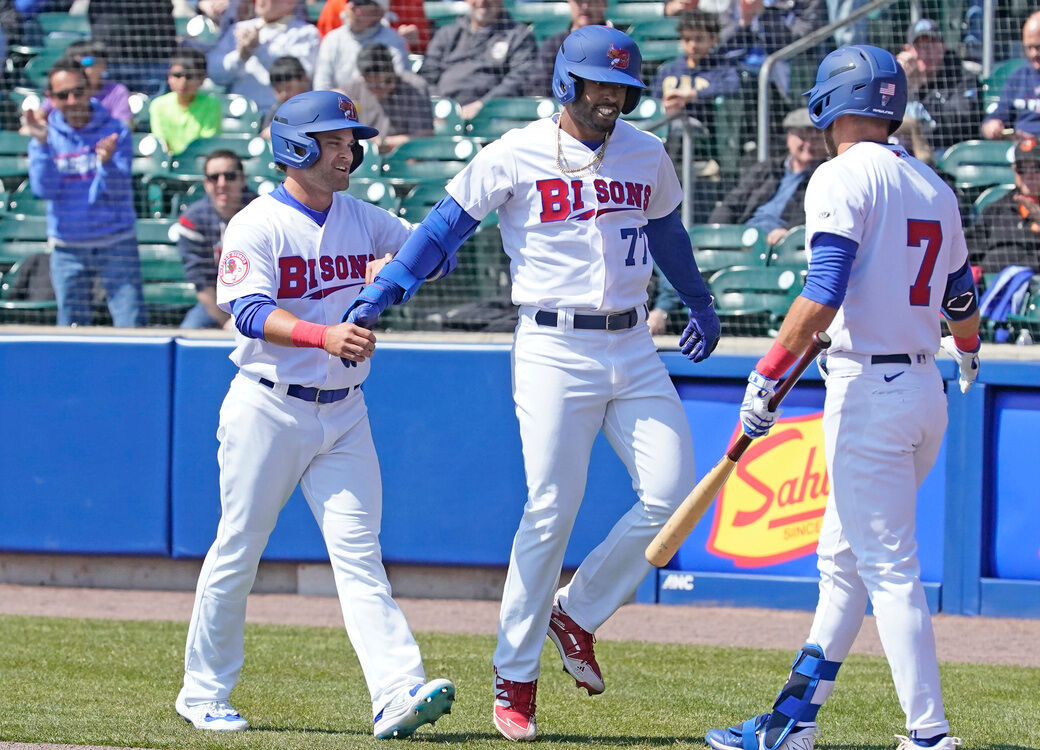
(314, 112)
(597, 53)
(858, 80)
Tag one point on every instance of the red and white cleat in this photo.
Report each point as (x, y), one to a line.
(575, 645)
(514, 709)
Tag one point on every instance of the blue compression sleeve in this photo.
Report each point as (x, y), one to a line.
(671, 250)
(435, 240)
(961, 299)
(829, 270)
(251, 313)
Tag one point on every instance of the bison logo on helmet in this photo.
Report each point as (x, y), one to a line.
(618, 57)
(349, 110)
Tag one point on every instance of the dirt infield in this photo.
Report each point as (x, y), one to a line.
(983, 640)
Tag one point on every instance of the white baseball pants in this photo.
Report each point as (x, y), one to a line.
(882, 432)
(568, 385)
(269, 443)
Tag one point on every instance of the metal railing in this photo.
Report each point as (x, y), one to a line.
(803, 44)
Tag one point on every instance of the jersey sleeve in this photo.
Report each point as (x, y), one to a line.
(486, 182)
(836, 201)
(667, 194)
(246, 263)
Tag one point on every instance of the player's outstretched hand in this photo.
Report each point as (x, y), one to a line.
(351, 343)
(755, 417)
(702, 334)
(968, 362)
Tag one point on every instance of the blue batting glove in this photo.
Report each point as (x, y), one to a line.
(755, 417)
(702, 333)
(364, 311)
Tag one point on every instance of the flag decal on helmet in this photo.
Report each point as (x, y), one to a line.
(618, 57)
(887, 91)
(349, 110)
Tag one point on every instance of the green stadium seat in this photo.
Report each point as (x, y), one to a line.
(447, 116)
(647, 112)
(728, 237)
(1027, 318)
(500, 115)
(428, 158)
(753, 301)
(657, 51)
(190, 161)
(990, 195)
(993, 85)
(36, 69)
(790, 251)
(167, 301)
(710, 260)
(544, 28)
(24, 201)
(657, 28)
(977, 164)
(197, 29)
(627, 14)
(25, 312)
(441, 12)
(420, 199)
(19, 227)
(64, 23)
(533, 12)
(241, 115)
(376, 192)
(157, 231)
(160, 262)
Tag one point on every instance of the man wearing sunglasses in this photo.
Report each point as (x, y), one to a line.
(1007, 232)
(184, 114)
(201, 237)
(79, 161)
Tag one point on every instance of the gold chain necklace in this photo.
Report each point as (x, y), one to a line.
(589, 169)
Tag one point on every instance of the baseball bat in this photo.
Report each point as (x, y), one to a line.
(689, 512)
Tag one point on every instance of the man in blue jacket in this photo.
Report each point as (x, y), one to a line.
(79, 160)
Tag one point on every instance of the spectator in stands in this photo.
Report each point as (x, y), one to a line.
(79, 161)
(583, 13)
(201, 235)
(754, 29)
(114, 96)
(185, 114)
(771, 195)
(1019, 105)
(288, 78)
(396, 103)
(242, 58)
(362, 25)
(854, 33)
(943, 94)
(407, 16)
(485, 54)
(693, 79)
(1007, 233)
(140, 38)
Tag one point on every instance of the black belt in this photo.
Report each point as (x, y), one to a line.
(313, 395)
(618, 321)
(890, 359)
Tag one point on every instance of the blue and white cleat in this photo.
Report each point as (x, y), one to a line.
(213, 716)
(408, 711)
(751, 735)
(946, 743)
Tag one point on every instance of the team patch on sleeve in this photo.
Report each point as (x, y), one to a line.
(233, 268)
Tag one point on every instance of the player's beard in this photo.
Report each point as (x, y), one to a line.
(828, 141)
(585, 114)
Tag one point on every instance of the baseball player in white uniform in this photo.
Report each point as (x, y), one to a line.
(586, 205)
(887, 257)
(292, 262)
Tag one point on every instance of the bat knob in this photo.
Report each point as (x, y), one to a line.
(821, 340)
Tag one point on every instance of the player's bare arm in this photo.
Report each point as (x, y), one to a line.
(803, 319)
(346, 340)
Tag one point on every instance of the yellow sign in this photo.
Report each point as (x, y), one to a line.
(771, 509)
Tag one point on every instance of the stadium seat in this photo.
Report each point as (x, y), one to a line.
(428, 158)
(167, 301)
(627, 14)
(240, 115)
(160, 262)
(19, 227)
(64, 23)
(500, 115)
(533, 12)
(36, 69)
(753, 301)
(24, 201)
(26, 312)
(790, 251)
(447, 116)
(1027, 318)
(190, 161)
(646, 113)
(376, 192)
(544, 28)
(442, 12)
(990, 195)
(730, 237)
(157, 231)
(657, 28)
(710, 260)
(993, 85)
(978, 164)
(418, 201)
(198, 29)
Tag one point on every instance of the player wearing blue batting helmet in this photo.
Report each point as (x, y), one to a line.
(602, 54)
(858, 80)
(314, 112)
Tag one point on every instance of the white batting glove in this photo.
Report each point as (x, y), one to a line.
(968, 362)
(755, 417)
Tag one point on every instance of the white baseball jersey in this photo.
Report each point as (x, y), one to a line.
(907, 247)
(313, 272)
(573, 242)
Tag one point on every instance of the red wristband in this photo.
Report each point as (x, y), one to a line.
(776, 362)
(967, 345)
(308, 334)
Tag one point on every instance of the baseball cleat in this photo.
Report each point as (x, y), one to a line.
(408, 711)
(213, 716)
(514, 709)
(946, 743)
(799, 738)
(575, 645)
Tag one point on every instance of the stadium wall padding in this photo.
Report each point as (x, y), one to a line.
(110, 447)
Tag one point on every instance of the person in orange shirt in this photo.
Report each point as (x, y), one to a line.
(411, 22)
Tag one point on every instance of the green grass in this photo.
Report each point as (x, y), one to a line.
(113, 683)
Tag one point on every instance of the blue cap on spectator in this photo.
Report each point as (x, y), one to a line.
(87, 61)
(923, 27)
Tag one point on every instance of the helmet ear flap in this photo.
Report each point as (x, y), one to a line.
(632, 97)
(358, 154)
